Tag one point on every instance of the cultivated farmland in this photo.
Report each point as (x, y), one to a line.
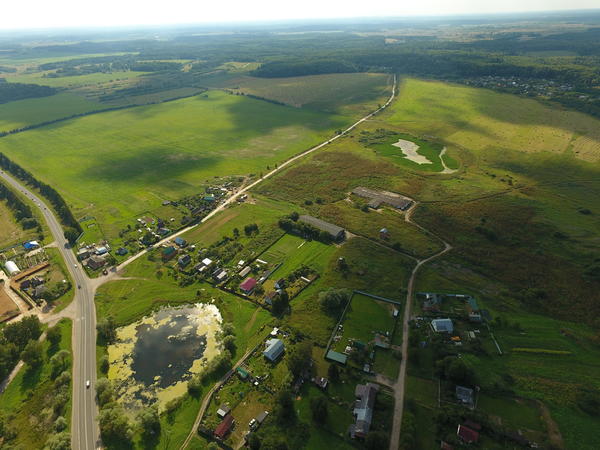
(120, 163)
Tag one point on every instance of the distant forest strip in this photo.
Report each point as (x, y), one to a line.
(21, 211)
(59, 204)
(10, 92)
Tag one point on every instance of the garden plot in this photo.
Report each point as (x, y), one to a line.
(366, 327)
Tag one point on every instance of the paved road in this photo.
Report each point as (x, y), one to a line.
(85, 434)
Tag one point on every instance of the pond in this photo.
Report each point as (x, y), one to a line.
(152, 359)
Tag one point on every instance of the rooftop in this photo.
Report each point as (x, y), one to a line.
(330, 228)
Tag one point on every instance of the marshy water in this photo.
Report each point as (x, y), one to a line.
(153, 359)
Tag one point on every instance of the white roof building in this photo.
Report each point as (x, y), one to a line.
(11, 268)
(207, 262)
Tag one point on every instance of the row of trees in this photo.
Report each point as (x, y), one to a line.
(307, 231)
(10, 92)
(21, 211)
(59, 204)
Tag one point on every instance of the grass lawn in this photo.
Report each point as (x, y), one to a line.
(428, 149)
(292, 252)
(122, 163)
(30, 395)
(32, 111)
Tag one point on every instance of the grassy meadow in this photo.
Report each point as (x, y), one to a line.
(346, 93)
(71, 82)
(488, 122)
(124, 162)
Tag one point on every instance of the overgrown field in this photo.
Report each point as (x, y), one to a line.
(116, 164)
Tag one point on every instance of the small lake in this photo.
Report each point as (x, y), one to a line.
(153, 359)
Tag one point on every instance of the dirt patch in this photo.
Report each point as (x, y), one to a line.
(250, 323)
(553, 431)
(410, 151)
(8, 308)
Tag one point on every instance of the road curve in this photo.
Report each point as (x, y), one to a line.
(85, 434)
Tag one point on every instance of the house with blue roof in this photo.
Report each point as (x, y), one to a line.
(180, 241)
(442, 326)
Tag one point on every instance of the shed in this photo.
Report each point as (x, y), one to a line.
(442, 325)
(274, 349)
(242, 373)
(207, 262)
(336, 356)
(223, 411)
(262, 416)
(180, 241)
(245, 271)
(465, 395)
(101, 250)
(337, 233)
(11, 268)
(30, 245)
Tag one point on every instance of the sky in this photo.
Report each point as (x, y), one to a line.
(109, 13)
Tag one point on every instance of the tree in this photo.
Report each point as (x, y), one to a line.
(104, 391)
(229, 343)
(60, 424)
(107, 330)
(284, 409)
(114, 425)
(318, 408)
(333, 373)
(32, 354)
(299, 358)
(333, 301)
(60, 362)
(60, 441)
(253, 441)
(149, 422)
(21, 332)
(71, 235)
(281, 302)
(194, 386)
(104, 364)
(376, 440)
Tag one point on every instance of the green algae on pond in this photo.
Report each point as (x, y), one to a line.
(152, 359)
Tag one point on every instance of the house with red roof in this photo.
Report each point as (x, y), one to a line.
(224, 427)
(248, 285)
(467, 435)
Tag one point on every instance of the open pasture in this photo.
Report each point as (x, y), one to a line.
(486, 121)
(72, 81)
(351, 93)
(22, 113)
(117, 164)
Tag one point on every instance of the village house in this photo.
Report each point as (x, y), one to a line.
(274, 349)
(223, 411)
(168, 253)
(442, 326)
(465, 396)
(467, 435)
(184, 260)
(248, 286)
(95, 262)
(224, 427)
(363, 409)
(180, 242)
(377, 198)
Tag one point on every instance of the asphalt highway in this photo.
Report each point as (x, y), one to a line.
(85, 434)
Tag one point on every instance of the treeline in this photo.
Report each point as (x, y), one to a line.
(14, 337)
(301, 68)
(59, 204)
(19, 208)
(10, 92)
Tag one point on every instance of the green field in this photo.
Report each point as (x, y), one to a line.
(14, 115)
(72, 81)
(351, 93)
(12, 232)
(125, 162)
(483, 120)
(293, 252)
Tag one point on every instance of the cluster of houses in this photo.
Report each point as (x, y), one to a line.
(94, 256)
(378, 198)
